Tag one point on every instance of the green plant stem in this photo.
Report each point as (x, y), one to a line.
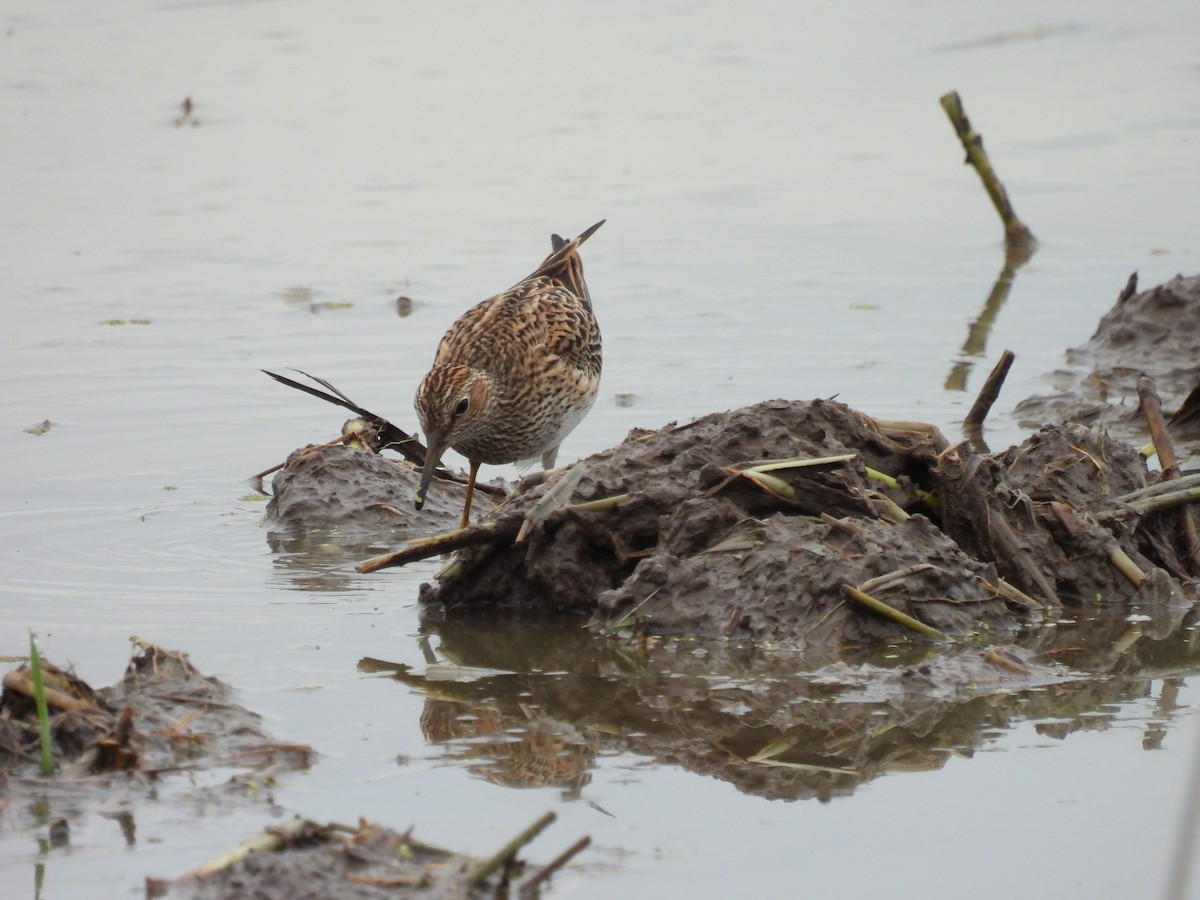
(1016, 233)
(43, 711)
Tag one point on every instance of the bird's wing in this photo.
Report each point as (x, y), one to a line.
(564, 267)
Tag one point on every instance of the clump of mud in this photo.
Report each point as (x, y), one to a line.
(786, 579)
(162, 717)
(354, 492)
(680, 499)
(1049, 512)
(677, 531)
(1155, 332)
(305, 861)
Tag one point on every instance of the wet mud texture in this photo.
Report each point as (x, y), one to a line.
(351, 492)
(697, 548)
(162, 718)
(688, 534)
(1155, 332)
(305, 861)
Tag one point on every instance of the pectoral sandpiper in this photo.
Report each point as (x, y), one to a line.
(516, 373)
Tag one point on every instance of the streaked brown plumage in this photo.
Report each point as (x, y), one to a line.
(516, 373)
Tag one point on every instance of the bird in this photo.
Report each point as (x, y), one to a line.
(515, 374)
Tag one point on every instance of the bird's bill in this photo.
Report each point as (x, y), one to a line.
(432, 455)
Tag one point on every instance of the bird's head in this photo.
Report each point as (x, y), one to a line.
(451, 405)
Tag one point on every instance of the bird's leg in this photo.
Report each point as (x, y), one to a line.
(466, 518)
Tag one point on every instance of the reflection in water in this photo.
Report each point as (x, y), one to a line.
(320, 562)
(510, 751)
(537, 702)
(975, 345)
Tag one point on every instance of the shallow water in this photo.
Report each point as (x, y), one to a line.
(787, 216)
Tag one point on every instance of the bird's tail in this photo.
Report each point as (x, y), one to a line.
(564, 265)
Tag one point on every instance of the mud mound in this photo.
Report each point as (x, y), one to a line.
(1048, 513)
(679, 497)
(305, 861)
(687, 531)
(162, 717)
(810, 523)
(785, 580)
(1155, 332)
(354, 492)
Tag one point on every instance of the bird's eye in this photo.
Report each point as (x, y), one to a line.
(462, 406)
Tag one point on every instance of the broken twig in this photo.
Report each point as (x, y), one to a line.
(509, 850)
(890, 612)
(1016, 234)
(23, 684)
(1126, 566)
(989, 392)
(1016, 595)
(530, 885)
(267, 841)
(503, 530)
(1167, 460)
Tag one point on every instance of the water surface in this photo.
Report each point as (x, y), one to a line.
(787, 216)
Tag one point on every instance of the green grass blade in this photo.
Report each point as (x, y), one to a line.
(43, 712)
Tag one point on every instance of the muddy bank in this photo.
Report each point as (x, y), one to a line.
(679, 501)
(807, 522)
(1156, 332)
(702, 539)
